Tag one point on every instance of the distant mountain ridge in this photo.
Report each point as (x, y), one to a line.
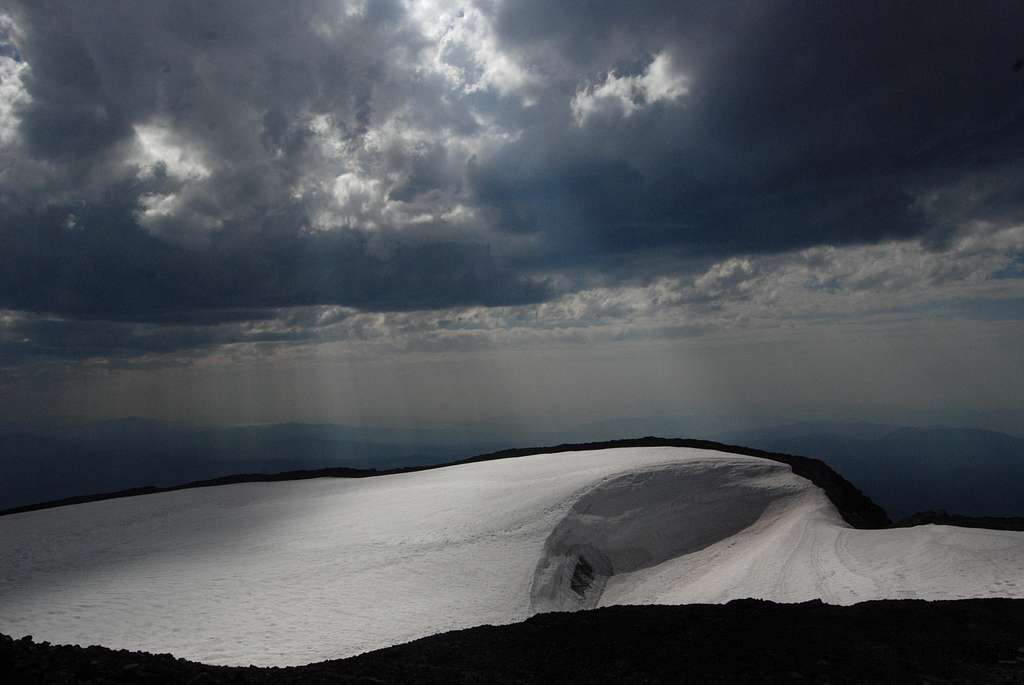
(968, 472)
(134, 452)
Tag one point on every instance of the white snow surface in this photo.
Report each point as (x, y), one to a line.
(294, 572)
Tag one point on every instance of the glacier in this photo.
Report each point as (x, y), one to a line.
(292, 572)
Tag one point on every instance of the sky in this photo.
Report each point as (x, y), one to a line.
(515, 213)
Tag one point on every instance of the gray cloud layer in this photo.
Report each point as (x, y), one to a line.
(212, 165)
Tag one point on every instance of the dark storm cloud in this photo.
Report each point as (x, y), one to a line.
(789, 125)
(238, 83)
(106, 268)
(219, 72)
(805, 123)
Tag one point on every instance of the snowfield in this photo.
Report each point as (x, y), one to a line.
(294, 572)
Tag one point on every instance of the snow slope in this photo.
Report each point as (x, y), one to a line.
(294, 572)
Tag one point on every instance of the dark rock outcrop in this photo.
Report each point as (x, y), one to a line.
(746, 641)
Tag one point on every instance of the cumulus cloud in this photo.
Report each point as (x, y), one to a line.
(12, 87)
(160, 153)
(464, 48)
(624, 95)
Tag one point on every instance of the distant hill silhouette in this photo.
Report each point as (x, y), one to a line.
(967, 472)
(131, 453)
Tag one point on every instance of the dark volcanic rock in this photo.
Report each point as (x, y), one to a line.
(911, 641)
(582, 577)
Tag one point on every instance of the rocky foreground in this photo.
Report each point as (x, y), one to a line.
(910, 641)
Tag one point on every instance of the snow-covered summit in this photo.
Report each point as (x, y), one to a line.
(293, 572)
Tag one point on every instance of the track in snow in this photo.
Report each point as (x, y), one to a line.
(294, 572)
